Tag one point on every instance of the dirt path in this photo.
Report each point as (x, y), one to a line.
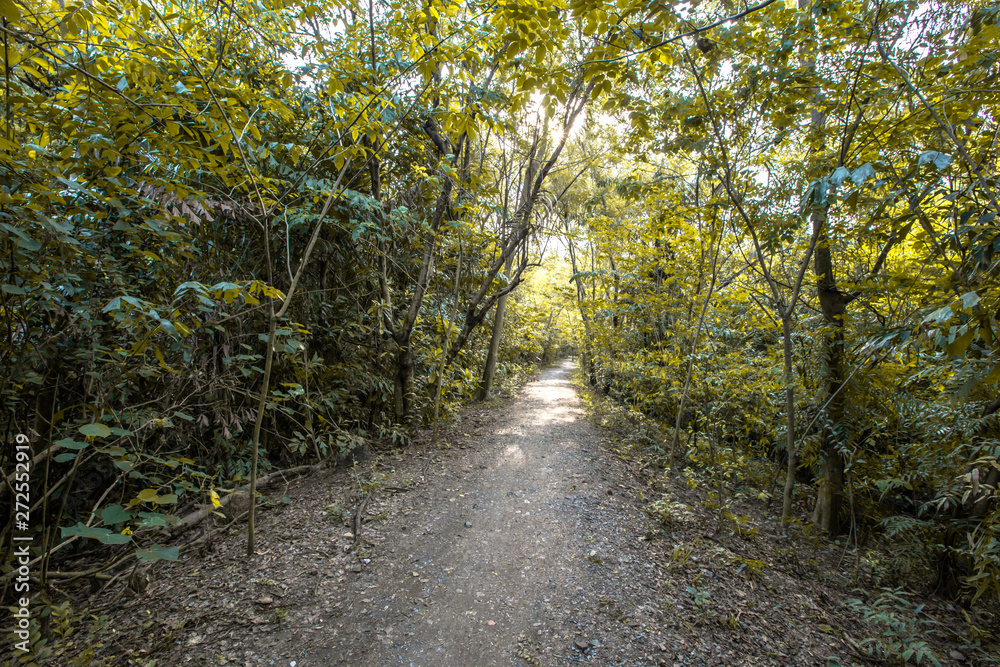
(521, 544)
(493, 567)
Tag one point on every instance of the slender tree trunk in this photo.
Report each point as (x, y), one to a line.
(403, 384)
(786, 310)
(402, 333)
(269, 353)
(255, 449)
(829, 495)
(833, 305)
(526, 199)
(786, 344)
(489, 371)
(446, 347)
(581, 297)
(675, 441)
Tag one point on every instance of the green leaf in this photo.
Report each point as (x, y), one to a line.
(70, 443)
(940, 315)
(184, 288)
(64, 457)
(12, 289)
(863, 173)
(31, 245)
(969, 299)
(839, 174)
(157, 552)
(95, 430)
(159, 519)
(114, 515)
(102, 534)
(940, 160)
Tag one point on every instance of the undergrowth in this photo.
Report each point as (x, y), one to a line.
(895, 628)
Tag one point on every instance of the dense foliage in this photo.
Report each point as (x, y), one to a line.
(274, 233)
(832, 203)
(183, 182)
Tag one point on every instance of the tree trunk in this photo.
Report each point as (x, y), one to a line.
(675, 441)
(445, 348)
(581, 297)
(526, 200)
(402, 333)
(403, 385)
(489, 371)
(833, 304)
(786, 344)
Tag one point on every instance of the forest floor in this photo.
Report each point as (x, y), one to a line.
(527, 540)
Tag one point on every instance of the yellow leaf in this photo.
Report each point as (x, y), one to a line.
(993, 375)
(273, 292)
(215, 499)
(9, 10)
